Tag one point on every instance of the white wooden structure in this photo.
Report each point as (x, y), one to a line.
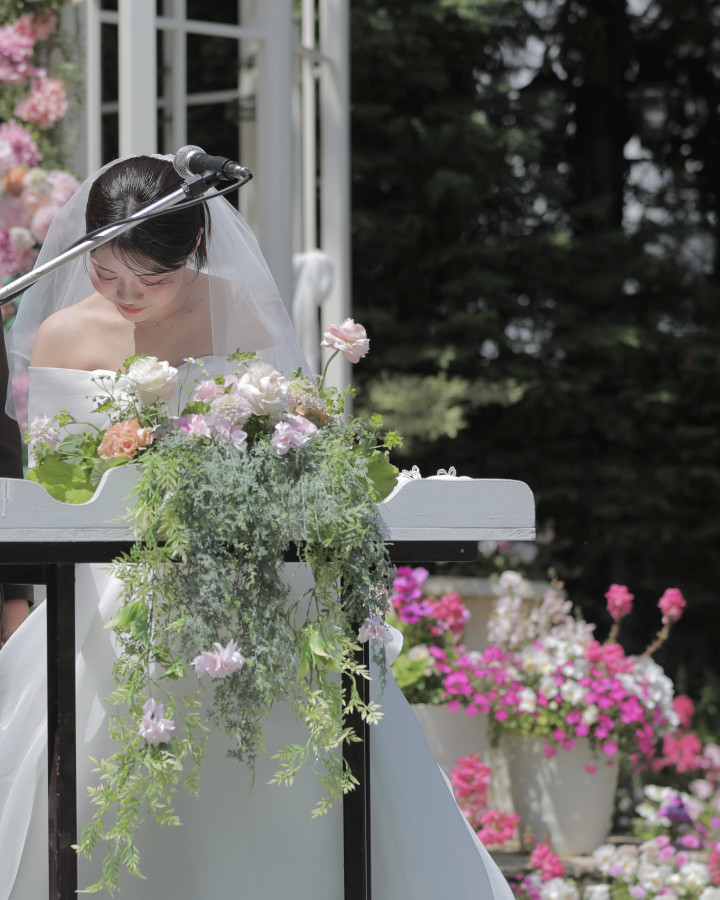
(442, 508)
(296, 145)
(41, 539)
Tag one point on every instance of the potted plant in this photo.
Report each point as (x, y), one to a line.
(566, 706)
(432, 629)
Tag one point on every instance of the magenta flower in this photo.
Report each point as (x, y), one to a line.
(220, 662)
(546, 862)
(619, 601)
(672, 603)
(154, 728)
(349, 338)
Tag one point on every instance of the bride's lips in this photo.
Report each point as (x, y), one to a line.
(131, 310)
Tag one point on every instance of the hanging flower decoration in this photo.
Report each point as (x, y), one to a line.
(253, 465)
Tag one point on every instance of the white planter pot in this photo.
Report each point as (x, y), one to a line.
(556, 798)
(451, 734)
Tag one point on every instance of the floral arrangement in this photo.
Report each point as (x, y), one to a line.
(253, 466)
(545, 675)
(471, 779)
(32, 105)
(432, 629)
(653, 868)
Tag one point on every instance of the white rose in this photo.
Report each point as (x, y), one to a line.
(150, 380)
(264, 388)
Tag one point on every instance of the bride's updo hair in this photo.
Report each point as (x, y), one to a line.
(160, 244)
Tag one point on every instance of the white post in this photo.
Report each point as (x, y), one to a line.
(335, 156)
(273, 171)
(137, 76)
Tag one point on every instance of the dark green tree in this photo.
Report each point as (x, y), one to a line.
(535, 228)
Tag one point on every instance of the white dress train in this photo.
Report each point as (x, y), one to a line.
(256, 841)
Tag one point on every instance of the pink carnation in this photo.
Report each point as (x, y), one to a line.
(45, 104)
(193, 424)
(619, 601)
(350, 338)
(672, 603)
(124, 439)
(293, 431)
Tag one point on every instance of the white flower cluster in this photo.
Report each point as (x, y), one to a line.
(649, 683)
(655, 868)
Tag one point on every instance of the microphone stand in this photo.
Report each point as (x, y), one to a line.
(191, 189)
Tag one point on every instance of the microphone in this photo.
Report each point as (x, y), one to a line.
(192, 160)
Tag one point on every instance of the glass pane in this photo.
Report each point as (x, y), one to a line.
(111, 5)
(110, 137)
(225, 11)
(213, 126)
(212, 63)
(109, 63)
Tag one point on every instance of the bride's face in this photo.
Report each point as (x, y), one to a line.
(138, 296)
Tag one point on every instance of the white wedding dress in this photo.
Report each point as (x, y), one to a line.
(256, 841)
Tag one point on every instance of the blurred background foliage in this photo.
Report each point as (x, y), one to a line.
(536, 192)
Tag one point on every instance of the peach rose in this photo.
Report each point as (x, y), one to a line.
(124, 439)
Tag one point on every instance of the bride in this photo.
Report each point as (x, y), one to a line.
(193, 283)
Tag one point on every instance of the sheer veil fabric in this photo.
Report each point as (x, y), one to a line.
(240, 837)
(247, 311)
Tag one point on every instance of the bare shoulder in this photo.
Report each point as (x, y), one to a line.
(63, 337)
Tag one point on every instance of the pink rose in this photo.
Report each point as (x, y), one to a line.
(220, 662)
(208, 390)
(349, 338)
(124, 439)
(41, 221)
(264, 388)
(619, 601)
(672, 603)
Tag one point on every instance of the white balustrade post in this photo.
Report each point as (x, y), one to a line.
(273, 175)
(137, 76)
(335, 162)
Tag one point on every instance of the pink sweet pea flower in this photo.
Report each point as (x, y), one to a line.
(349, 338)
(220, 662)
(374, 629)
(154, 727)
(672, 603)
(619, 601)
